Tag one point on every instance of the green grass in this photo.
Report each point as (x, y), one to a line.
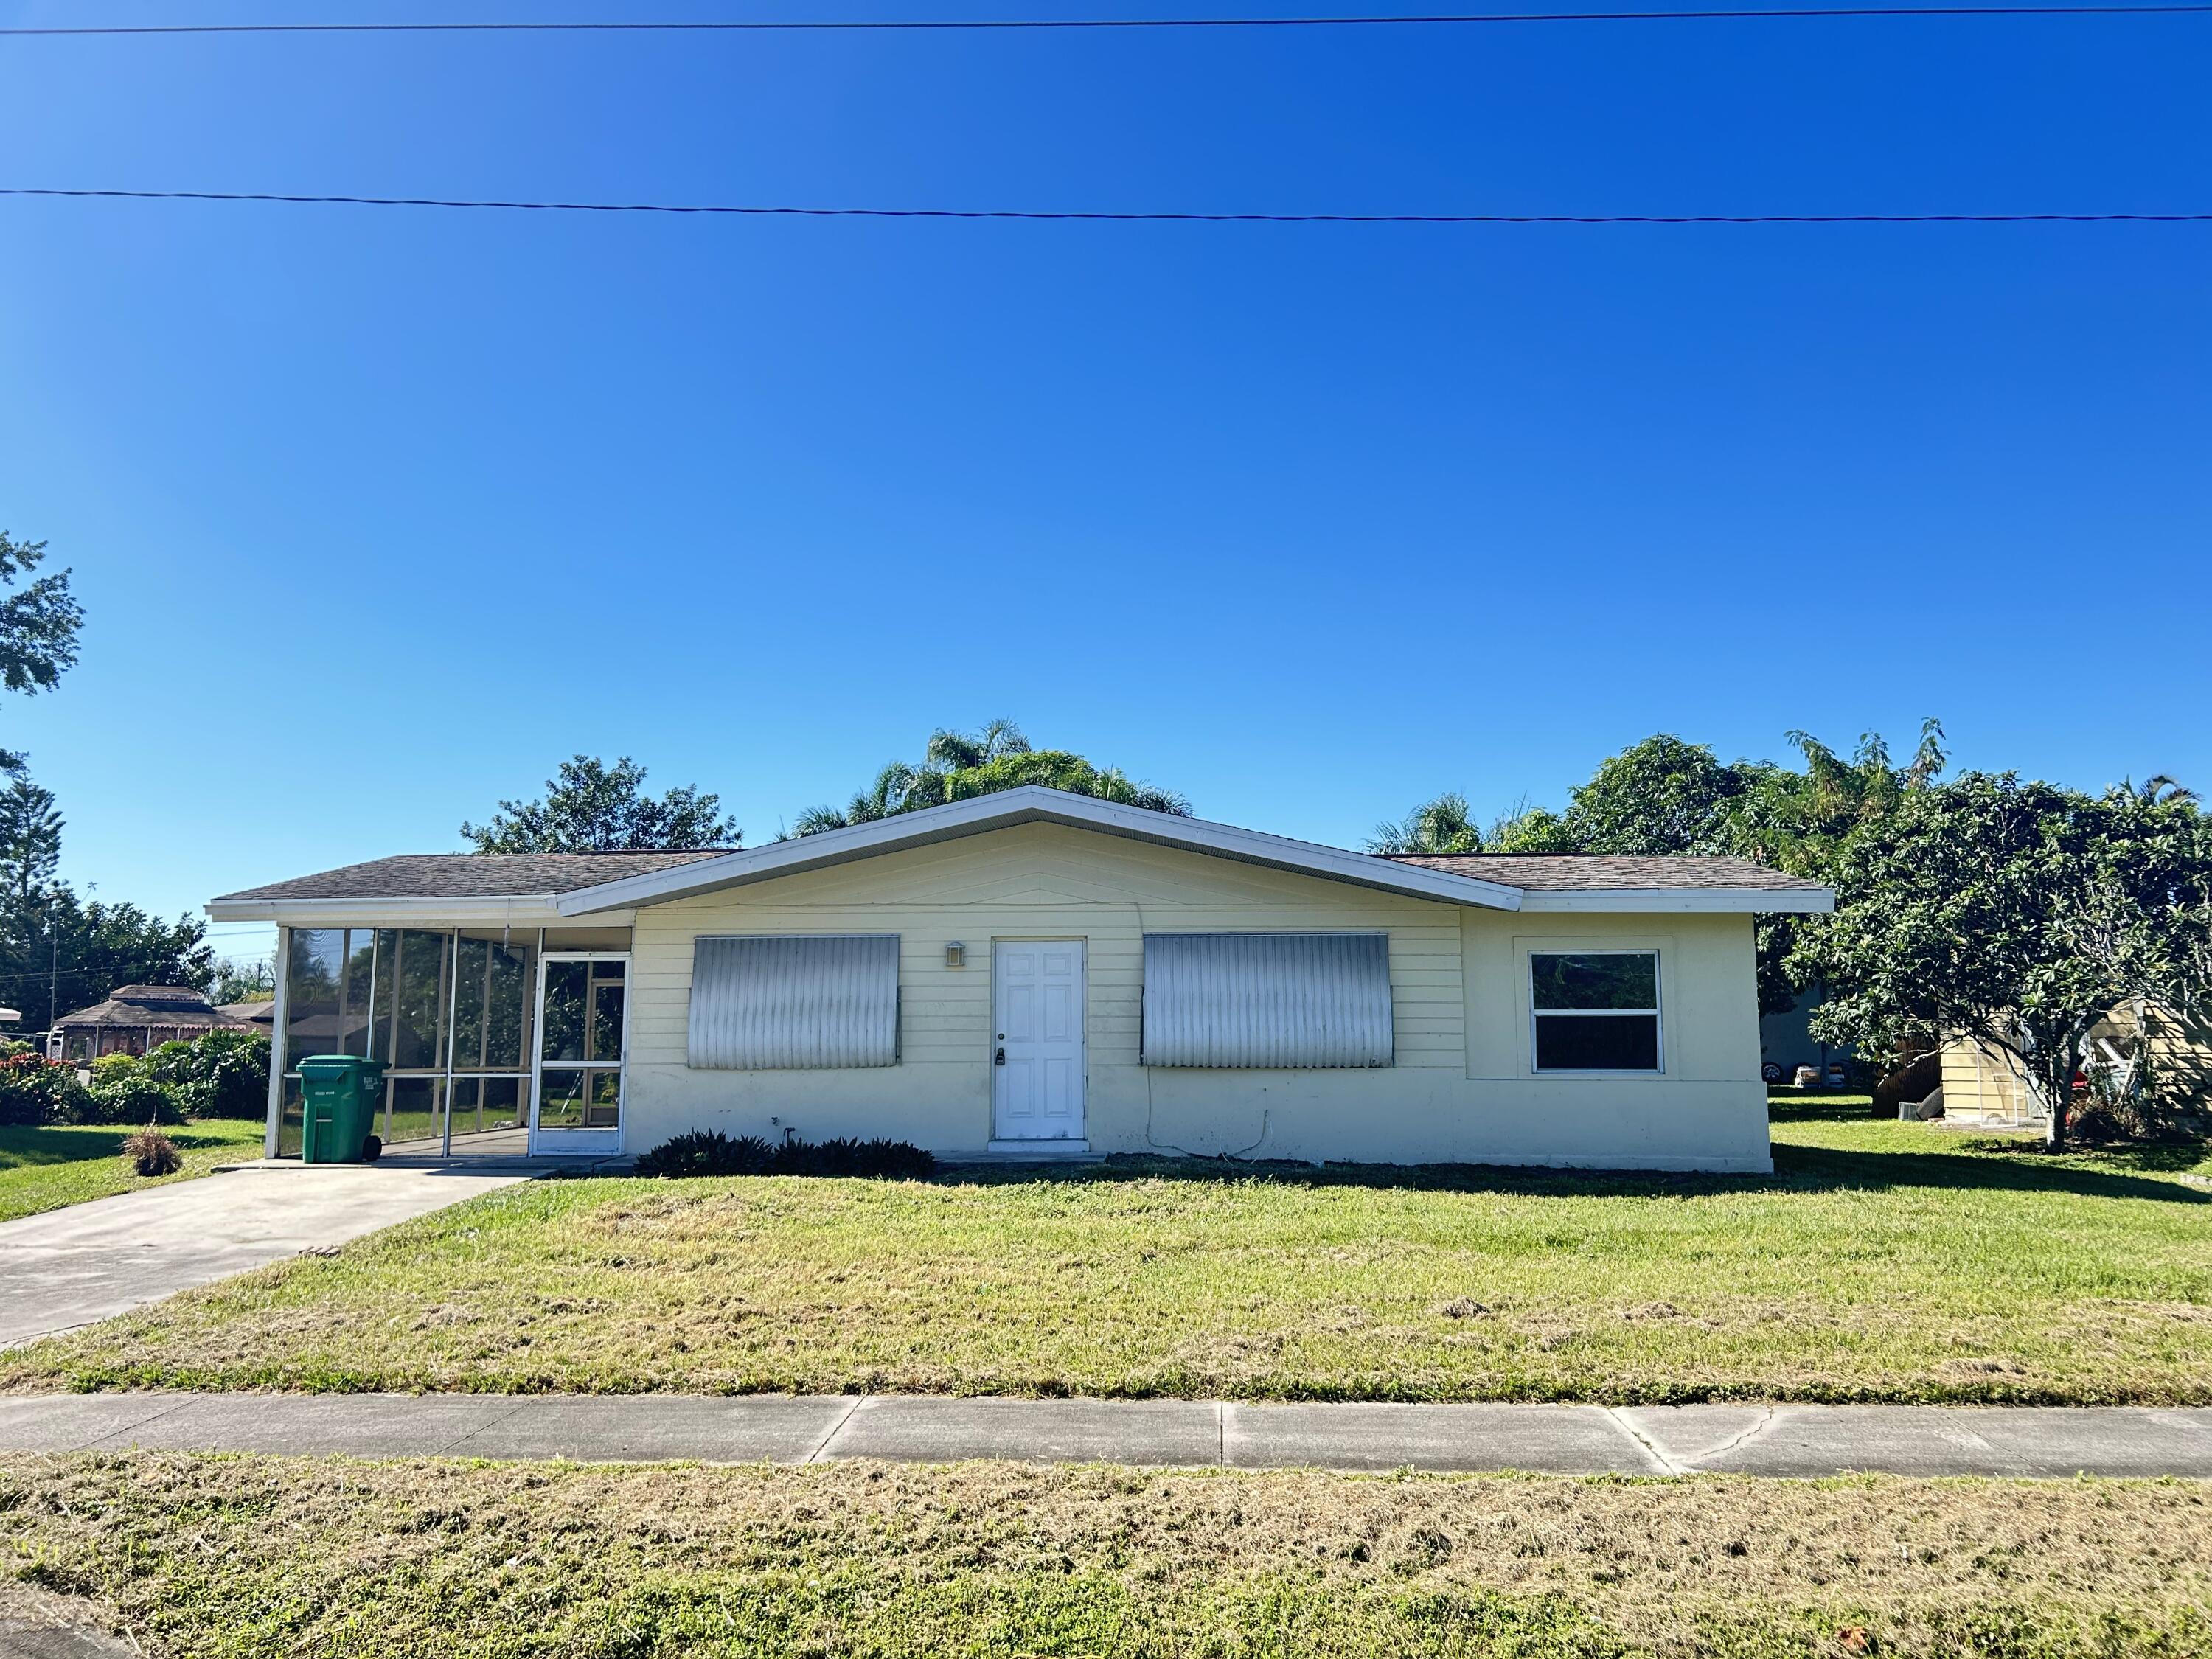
(45, 1169)
(222, 1557)
(1883, 1261)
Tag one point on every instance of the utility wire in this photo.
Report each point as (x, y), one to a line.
(1140, 218)
(834, 25)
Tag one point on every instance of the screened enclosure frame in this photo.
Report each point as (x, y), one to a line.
(361, 981)
(1656, 1011)
(587, 1064)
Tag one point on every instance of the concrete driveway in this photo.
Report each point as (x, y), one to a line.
(89, 1261)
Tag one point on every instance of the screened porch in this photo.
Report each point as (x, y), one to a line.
(496, 1042)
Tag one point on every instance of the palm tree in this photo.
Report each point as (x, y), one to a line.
(1446, 824)
(2159, 790)
(962, 752)
(891, 792)
(1113, 784)
(958, 764)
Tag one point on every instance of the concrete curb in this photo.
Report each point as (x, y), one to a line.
(1790, 1441)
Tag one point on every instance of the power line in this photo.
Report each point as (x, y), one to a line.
(1033, 214)
(912, 25)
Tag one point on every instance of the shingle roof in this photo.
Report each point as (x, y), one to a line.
(519, 875)
(150, 1004)
(472, 875)
(1597, 871)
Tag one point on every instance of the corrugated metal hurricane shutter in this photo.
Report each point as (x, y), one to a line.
(794, 1002)
(1267, 999)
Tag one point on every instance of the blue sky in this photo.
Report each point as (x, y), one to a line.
(378, 513)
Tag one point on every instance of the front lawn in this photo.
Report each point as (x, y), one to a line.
(221, 1557)
(1884, 1261)
(46, 1168)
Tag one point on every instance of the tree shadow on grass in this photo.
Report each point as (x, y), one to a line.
(49, 1147)
(1797, 1170)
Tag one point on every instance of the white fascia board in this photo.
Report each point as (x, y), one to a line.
(1034, 805)
(1712, 901)
(535, 911)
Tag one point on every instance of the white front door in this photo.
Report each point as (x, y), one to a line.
(1037, 1052)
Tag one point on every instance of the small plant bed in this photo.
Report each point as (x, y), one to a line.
(223, 1558)
(710, 1153)
(1883, 1261)
(52, 1165)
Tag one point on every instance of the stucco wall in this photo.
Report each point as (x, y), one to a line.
(1459, 1088)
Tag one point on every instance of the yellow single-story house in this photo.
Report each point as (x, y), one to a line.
(1983, 1085)
(1033, 973)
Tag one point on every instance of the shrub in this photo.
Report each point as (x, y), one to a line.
(886, 1160)
(151, 1152)
(222, 1074)
(219, 1073)
(123, 1089)
(707, 1152)
(710, 1153)
(34, 1090)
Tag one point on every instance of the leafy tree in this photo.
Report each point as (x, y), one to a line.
(2017, 916)
(591, 807)
(1446, 824)
(38, 626)
(1662, 795)
(1533, 829)
(63, 951)
(1799, 821)
(30, 842)
(1665, 796)
(958, 765)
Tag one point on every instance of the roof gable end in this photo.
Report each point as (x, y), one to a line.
(1034, 805)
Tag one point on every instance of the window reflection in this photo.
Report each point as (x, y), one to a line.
(567, 985)
(582, 1046)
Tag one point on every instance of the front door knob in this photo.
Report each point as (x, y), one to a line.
(999, 1059)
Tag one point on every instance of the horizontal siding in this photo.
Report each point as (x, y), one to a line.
(1103, 891)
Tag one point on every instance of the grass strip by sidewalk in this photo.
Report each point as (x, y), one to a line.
(221, 1557)
(1883, 1261)
(55, 1165)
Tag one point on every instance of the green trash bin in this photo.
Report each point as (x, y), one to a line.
(340, 1096)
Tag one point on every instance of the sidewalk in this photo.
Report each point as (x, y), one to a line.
(1765, 1440)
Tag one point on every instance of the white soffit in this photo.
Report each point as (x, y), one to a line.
(1712, 901)
(528, 910)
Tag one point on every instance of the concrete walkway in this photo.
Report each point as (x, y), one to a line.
(71, 1266)
(1776, 1440)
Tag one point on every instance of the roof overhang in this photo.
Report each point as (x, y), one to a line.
(1034, 805)
(1712, 901)
(530, 910)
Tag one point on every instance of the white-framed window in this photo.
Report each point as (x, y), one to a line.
(1594, 1010)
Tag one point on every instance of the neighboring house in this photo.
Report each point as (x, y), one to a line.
(1041, 973)
(1786, 1039)
(1983, 1084)
(133, 1020)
